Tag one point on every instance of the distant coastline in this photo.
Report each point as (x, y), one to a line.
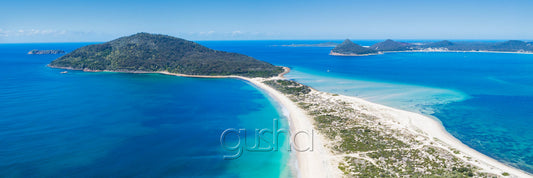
(428, 51)
(352, 54)
(348, 48)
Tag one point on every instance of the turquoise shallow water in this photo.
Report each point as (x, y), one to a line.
(112, 124)
(484, 99)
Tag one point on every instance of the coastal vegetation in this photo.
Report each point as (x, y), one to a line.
(154, 53)
(288, 87)
(390, 45)
(506, 46)
(367, 145)
(348, 49)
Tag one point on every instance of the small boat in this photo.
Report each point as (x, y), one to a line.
(64, 72)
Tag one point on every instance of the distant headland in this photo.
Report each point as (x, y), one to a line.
(36, 51)
(349, 48)
(144, 52)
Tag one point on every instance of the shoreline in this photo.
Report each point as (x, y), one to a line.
(320, 162)
(434, 129)
(353, 54)
(428, 51)
(309, 164)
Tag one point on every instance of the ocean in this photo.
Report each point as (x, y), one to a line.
(82, 124)
(483, 99)
(148, 125)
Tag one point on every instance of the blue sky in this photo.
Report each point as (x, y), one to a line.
(97, 20)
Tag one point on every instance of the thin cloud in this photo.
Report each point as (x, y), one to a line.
(236, 32)
(31, 32)
(207, 33)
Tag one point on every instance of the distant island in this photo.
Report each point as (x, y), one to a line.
(144, 52)
(36, 51)
(326, 44)
(348, 48)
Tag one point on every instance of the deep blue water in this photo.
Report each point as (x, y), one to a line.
(113, 124)
(484, 99)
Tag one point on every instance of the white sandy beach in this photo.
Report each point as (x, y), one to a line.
(316, 163)
(321, 162)
(434, 129)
